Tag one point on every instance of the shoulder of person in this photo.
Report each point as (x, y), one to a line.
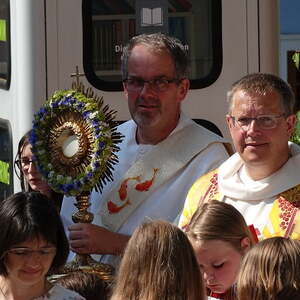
(59, 292)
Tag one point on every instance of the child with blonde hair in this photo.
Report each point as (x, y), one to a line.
(220, 238)
(271, 270)
(159, 263)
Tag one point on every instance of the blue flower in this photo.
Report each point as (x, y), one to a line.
(95, 124)
(60, 187)
(33, 137)
(98, 152)
(54, 104)
(79, 105)
(42, 112)
(77, 184)
(96, 165)
(86, 114)
(70, 100)
(102, 145)
(35, 124)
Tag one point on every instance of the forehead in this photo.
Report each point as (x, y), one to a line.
(34, 242)
(208, 251)
(26, 152)
(261, 103)
(146, 62)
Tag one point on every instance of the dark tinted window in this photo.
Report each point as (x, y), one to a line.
(4, 44)
(108, 25)
(6, 160)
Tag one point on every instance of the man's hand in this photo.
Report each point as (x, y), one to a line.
(93, 239)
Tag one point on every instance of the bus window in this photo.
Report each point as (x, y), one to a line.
(6, 160)
(108, 25)
(4, 44)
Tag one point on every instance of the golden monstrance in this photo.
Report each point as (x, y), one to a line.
(74, 140)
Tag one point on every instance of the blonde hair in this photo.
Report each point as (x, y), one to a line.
(158, 263)
(271, 270)
(217, 220)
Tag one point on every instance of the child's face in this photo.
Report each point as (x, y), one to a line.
(219, 263)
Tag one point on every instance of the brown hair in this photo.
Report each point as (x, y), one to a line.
(88, 285)
(270, 270)
(159, 263)
(24, 141)
(217, 220)
(261, 83)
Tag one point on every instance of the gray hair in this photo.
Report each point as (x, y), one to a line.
(158, 42)
(261, 83)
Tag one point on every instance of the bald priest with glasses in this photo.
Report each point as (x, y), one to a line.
(262, 179)
(162, 154)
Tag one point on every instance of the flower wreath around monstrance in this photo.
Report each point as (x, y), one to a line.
(74, 142)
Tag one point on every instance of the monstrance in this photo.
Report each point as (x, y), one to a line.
(74, 140)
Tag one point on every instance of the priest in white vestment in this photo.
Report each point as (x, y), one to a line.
(162, 154)
(262, 180)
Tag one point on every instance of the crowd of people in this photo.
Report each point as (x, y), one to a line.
(208, 224)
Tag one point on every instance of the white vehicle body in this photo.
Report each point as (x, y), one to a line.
(47, 45)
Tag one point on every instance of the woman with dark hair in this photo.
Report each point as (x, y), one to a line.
(28, 173)
(33, 244)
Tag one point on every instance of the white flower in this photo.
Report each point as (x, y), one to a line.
(93, 115)
(68, 179)
(41, 152)
(59, 178)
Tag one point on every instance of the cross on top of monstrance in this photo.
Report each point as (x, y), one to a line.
(74, 140)
(77, 75)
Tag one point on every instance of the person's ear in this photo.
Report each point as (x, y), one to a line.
(125, 90)
(245, 244)
(291, 123)
(229, 121)
(183, 88)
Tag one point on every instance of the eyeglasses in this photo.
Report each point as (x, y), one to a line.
(24, 162)
(263, 121)
(26, 252)
(157, 84)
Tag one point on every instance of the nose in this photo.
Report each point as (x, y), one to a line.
(32, 167)
(208, 276)
(33, 259)
(147, 89)
(253, 128)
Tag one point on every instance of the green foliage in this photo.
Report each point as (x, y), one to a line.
(296, 59)
(296, 135)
